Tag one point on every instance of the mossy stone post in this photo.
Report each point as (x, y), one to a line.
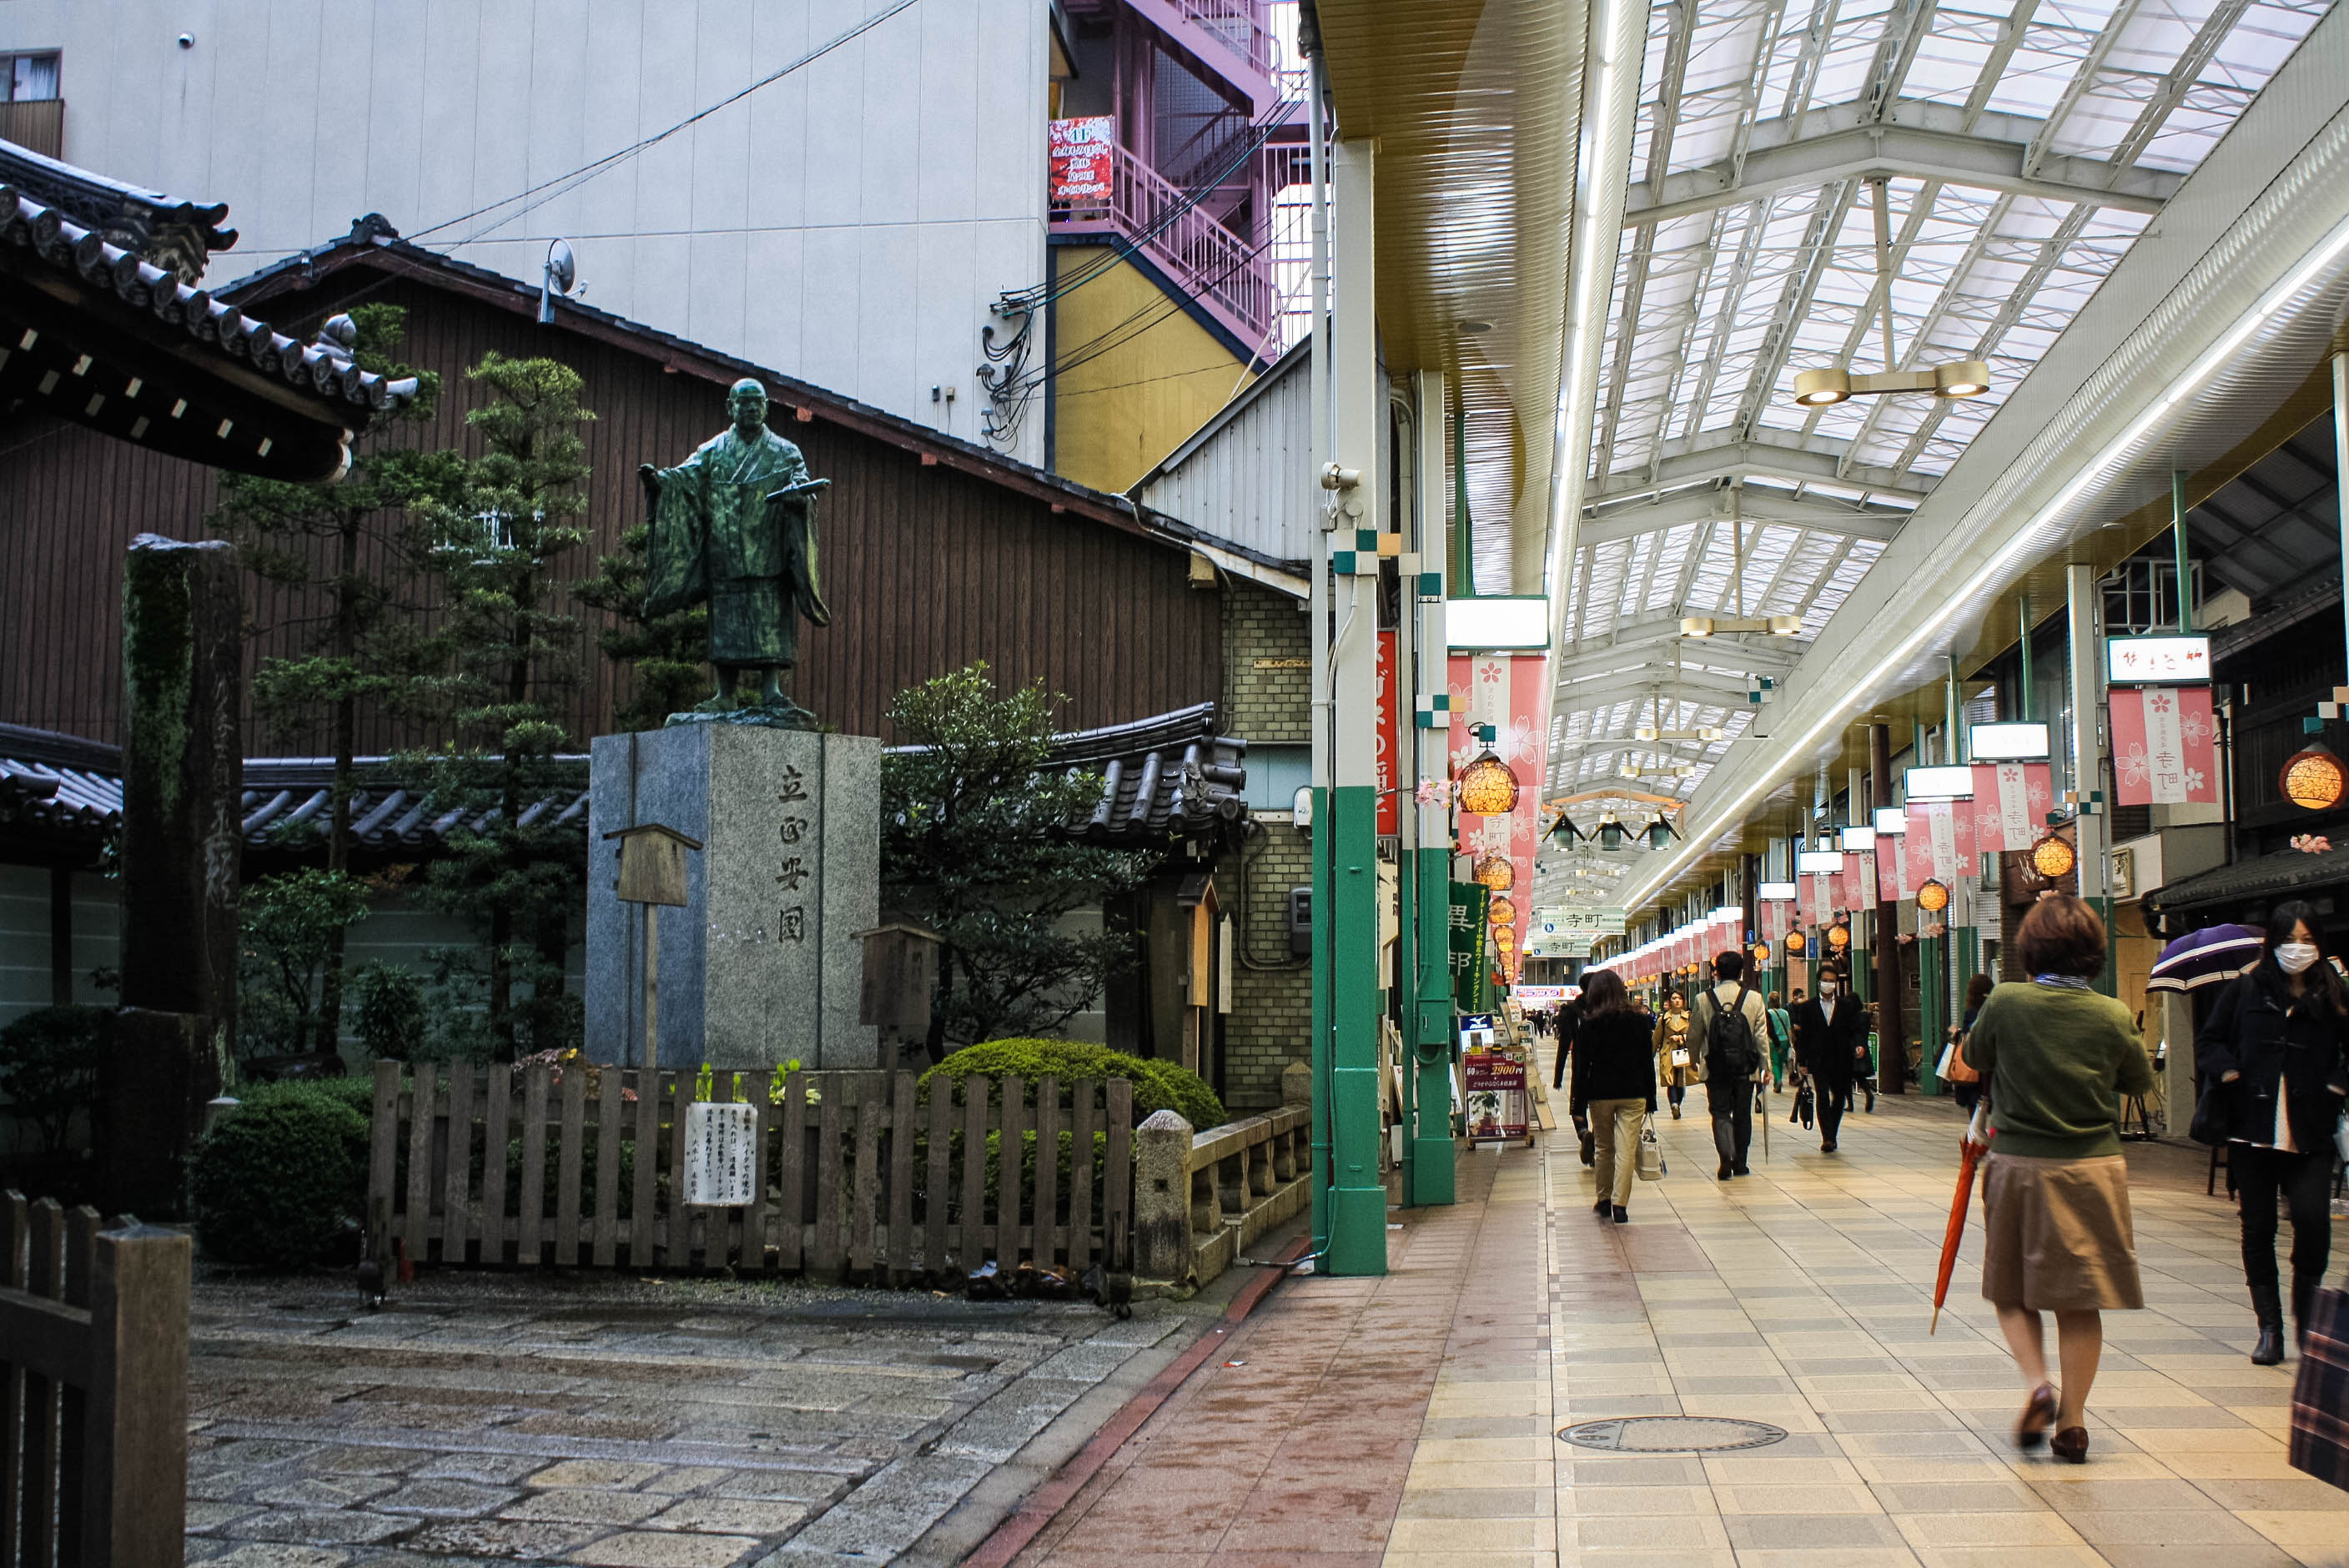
(182, 781)
(1162, 1198)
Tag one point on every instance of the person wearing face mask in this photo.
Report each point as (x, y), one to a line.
(2275, 1042)
(1831, 1048)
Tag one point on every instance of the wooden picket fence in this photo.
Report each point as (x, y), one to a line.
(93, 1388)
(861, 1175)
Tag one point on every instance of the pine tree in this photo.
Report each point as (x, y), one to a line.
(667, 654)
(973, 840)
(349, 543)
(514, 658)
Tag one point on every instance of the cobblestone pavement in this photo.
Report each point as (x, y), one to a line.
(632, 1424)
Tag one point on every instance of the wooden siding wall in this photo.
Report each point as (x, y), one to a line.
(925, 568)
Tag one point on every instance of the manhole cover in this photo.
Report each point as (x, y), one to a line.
(1671, 1434)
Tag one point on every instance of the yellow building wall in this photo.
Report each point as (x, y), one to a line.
(1117, 410)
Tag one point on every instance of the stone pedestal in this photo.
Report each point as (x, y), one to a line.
(762, 963)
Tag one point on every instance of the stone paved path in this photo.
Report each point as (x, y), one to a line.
(1413, 1420)
(624, 1423)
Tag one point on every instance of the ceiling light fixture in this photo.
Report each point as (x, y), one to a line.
(1959, 378)
(1727, 625)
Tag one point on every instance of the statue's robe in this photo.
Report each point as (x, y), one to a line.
(716, 538)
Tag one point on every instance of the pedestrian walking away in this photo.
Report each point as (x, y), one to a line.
(1978, 991)
(1831, 1048)
(1733, 1030)
(2054, 1056)
(1614, 1086)
(1782, 1040)
(1569, 1019)
(2277, 1041)
(1680, 1054)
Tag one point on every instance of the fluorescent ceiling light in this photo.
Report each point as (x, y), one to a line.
(1779, 892)
(1858, 840)
(2009, 741)
(1892, 819)
(1940, 784)
(2026, 540)
(1497, 623)
(1819, 862)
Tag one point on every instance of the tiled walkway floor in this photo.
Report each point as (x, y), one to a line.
(1798, 1297)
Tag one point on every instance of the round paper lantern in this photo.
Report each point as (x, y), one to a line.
(1501, 912)
(1794, 941)
(1487, 787)
(2314, 779)
(1761, 953)
(1506, 939)
(2052, 857)
(1933, 896)
(1839, 937)
(1495, 872)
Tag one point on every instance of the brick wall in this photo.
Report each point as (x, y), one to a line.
(1266, 688)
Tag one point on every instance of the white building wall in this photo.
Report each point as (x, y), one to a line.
(848, 224)
(1250, 480)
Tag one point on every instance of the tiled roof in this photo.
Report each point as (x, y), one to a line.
(324, 367)
(1163, 778)
(72, 787)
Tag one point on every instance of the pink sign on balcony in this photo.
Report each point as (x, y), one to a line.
(1082, 149)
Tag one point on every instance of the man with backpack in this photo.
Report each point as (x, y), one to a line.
(1735, 1028)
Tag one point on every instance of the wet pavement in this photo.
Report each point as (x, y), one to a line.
(634, 1424)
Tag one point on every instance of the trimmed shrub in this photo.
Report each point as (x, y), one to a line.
(1157, 1085)
(49, 1068)
(282, 1179)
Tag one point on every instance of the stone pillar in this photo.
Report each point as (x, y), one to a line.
(762, 963)
(182, 839)
(1162, 1198)
(182, 777)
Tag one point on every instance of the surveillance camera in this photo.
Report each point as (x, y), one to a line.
(187, 40)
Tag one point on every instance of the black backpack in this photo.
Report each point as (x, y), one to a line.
(1729, 1037)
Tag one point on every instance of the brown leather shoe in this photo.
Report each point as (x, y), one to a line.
(2038, 1415)
(2070, 1445)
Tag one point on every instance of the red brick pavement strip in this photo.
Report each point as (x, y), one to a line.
(1040, 1507)
(1298, 1455)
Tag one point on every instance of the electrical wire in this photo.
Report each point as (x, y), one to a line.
(562, 183)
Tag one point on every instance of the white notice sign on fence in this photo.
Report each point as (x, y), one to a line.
(721, 1161)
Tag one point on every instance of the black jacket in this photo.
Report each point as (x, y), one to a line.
(2250, 1032)
(1829, 1051)
(1569, 1018)
(1614, 1060)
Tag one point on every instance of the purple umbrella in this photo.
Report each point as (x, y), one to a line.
(2206, 957)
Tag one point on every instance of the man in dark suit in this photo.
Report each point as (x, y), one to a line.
(1831, 1045)
(1565, 1020)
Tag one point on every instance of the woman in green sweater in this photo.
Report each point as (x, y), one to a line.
(2055, 1058)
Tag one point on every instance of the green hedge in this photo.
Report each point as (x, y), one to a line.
(282, 1179)
(1157, 1085)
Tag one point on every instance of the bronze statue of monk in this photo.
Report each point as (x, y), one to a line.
(734, 526)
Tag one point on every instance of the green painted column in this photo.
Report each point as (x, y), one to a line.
(1433, 1179)
(1321, 1062)
(1358, 1198)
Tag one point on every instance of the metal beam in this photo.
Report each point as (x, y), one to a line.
(1636, 641)
(1765, 454)
(1708, 505)
(1923, 140)
(1707, 689)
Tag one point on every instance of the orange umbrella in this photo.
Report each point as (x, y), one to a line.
(1970, 1149)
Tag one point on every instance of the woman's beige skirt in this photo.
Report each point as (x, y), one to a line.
(2059, 1233)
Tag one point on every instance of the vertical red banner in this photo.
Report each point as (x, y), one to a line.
(1389, 752)
(2165, 749)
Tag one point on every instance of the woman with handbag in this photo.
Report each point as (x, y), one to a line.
(2275, 1046)
(1680, 1054)
(1614, 1086)
(2056, 1057)
(1965, 1084)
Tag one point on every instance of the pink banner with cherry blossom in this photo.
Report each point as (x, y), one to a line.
(2011, 804)
(1888, 865)
(1511, 693)
(2164, 747)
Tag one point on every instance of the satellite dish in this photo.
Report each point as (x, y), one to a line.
(562, 271)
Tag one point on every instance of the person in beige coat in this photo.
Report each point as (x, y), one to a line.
(1680, 1054)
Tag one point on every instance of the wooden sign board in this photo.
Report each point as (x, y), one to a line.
(652, 863)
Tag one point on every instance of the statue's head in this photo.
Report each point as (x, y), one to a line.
(747, 402)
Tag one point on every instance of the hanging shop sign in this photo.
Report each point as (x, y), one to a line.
(1083, 150)
(1389, 752)
(2012, 800)
(1470, 988)
(2157, 660)
(2164, 747)
(1887, 867)
(1858, 878)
